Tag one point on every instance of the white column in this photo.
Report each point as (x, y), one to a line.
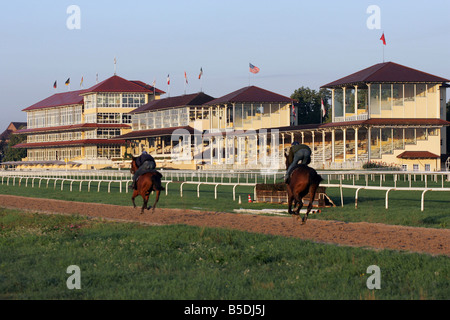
(356, 102)
(333, 139)
(323, 146)
(356, 144)
(344, 131)
(312, 149)
(332, 105)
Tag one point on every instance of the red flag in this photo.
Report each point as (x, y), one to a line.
(168, 80)
(185, 77)
(383, 39)
(323, 108)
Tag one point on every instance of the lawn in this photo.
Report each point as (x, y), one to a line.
(131, 261)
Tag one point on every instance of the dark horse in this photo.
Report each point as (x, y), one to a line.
(146, 183)
(303, 180)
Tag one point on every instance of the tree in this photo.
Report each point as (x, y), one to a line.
(448, 128)
(13, 154)
(308, 106)
(3, 146)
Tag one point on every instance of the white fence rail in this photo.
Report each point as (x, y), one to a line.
(249, 179)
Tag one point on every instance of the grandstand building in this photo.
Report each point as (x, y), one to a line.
(76, 127)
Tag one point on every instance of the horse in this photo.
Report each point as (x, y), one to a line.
(146, 183)
(303, 180)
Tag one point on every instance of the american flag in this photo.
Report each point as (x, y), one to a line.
(253, 69)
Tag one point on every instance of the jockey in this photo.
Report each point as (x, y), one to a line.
(297, 152)
(145, 163)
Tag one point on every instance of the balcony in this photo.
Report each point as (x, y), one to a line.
(358, 117)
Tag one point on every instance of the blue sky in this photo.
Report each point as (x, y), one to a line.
(295, 43)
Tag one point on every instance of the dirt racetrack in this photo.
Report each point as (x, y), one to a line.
(362, 234)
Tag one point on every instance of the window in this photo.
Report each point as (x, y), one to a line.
(427, 167)
(415, 167)
(132, 100)
(421, 90)
(386, 95)
(375, 99)
(349, 100)
(126, 118)
(409, 92)
(108, 100)
(338, 103)
(397, 94)
(404, 167)
(108, 118)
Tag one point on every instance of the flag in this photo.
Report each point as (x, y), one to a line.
(168, 79)
(201, 73)
(67, 82)
(185, 77)
(293, 109)
(253, 69)
(54, 85)
(383, 39)
(323, 108)
(154, 83)
(81, 83)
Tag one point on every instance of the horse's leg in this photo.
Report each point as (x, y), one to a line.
(156, 200)
(145, 196)
(312, 194)
(290, 200)
(135, 194)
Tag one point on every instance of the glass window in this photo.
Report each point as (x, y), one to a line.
(362, 99)
(398, 139)
(410, 136)
(397, 94)
(375, 98)
(386, 97)
(386, 141)
(238, 115)
(375, 143)
(349, 100)
(409, 92)
(421, 90)
(338, 102)
(421, 134)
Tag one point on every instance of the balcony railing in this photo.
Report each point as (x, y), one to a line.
(359, 117)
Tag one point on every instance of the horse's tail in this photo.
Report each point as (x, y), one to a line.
(314, 177)
(156, 178)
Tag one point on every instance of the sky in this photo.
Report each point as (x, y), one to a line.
(295, 44)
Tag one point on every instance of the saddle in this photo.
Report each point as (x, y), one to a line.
(146, 171)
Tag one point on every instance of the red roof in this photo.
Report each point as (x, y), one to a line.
(75, 127)
(118, 84)
(386, 72)
(69, 143)
(194, 99)
(148, 86)
(417, 155)
(249, 95)
(58, 99)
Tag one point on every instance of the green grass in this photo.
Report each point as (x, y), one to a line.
(404, 206)
(132, 261)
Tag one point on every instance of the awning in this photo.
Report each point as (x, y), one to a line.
(417, 155)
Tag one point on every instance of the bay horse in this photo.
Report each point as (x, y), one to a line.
(146, 183)
(303, 180)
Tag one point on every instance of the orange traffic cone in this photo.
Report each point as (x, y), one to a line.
(249, 199)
